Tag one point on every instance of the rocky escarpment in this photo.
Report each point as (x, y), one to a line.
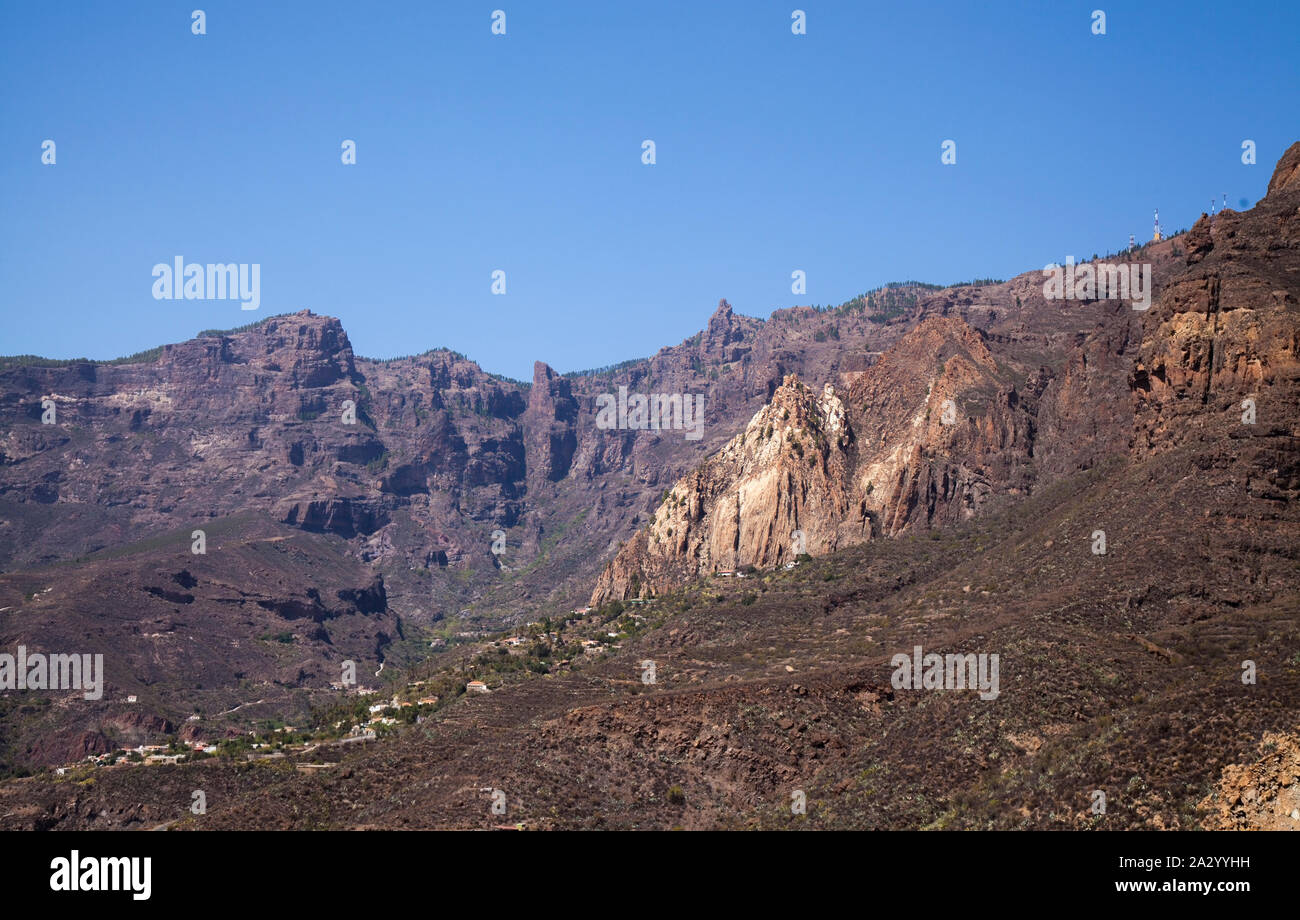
(549, 428)
(923, 436)
(416, 461)
(968, 405)
(212, 426)
(944, 423)
(419, 462)
(778, 484)
(1220, 359)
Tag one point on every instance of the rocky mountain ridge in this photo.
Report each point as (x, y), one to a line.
(901, 411)
(953, 412)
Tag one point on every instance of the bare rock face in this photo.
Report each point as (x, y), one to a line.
(1220, 356)
(942, 425)
(982, 400)
(213, 426)
(785, 473)
(725, 330)
(1085, 414)
(922, 436)
(439, 456)
(1286, 175)
(347, 517)
(550, 424)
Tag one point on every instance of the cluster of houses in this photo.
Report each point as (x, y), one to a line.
(590, 646)
(149, 754)
(152, 754)
(379, 714)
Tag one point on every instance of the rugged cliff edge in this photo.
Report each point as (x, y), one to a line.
(952, 415)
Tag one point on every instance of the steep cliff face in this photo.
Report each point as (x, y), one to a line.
(922, 436)
(943, 424)
(983, 398)
(778, 485)
(1220, 359)
(550, 428)
(441, 456)
(417, 462)
(1286, 175)
(1085, 414)
(211, 426)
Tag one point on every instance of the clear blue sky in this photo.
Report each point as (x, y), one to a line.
(476, 152)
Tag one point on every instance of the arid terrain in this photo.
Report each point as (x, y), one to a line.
(675, 632)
